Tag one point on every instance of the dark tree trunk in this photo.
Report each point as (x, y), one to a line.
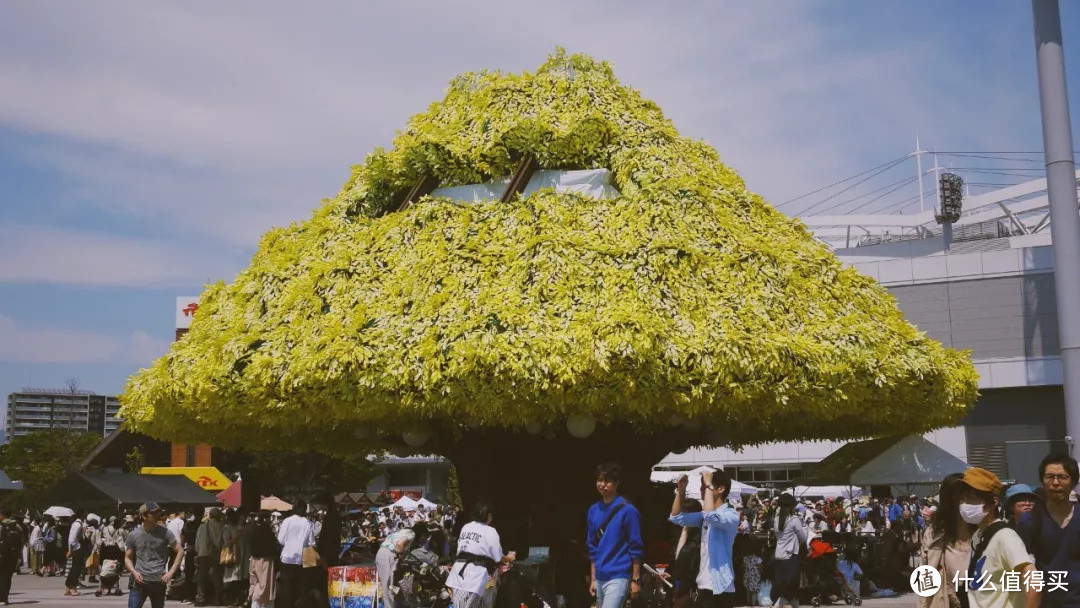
(541, 487)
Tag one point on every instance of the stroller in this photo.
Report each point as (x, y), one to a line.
(824, 580)
(111, 560)
(518, 588)
(110, 578)
(421, 581)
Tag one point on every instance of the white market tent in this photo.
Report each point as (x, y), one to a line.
(405, 503)
(900, 462)
(427, 504)
(693, 488)
(827, 491)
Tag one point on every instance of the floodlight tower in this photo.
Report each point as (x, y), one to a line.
(951, 196)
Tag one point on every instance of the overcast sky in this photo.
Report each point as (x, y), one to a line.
(145, 146)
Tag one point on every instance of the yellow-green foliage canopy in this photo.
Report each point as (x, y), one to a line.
(687, 296)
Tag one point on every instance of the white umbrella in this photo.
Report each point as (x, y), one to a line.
(59, 512)
(273, 503)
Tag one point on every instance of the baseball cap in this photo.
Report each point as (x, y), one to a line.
(982, 480)
(1017, 490)
(149, 507)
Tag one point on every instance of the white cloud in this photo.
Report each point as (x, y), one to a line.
(144, 348)
(41, 254)
(226, 119)
(20, 344)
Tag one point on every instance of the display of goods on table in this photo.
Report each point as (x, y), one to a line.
(353, 587)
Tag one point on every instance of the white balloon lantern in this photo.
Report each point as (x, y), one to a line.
(581, 425)
(534, 428)
(416, 438)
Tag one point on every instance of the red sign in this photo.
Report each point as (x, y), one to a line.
(206, 482)
(185, 311)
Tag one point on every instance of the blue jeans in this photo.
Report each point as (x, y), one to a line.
(140, 592)
(612, 594)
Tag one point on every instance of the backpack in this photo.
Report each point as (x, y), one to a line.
(10, 540)
(685, 566)
(50, 535)
(984, 542)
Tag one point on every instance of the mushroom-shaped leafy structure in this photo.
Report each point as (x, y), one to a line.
(682, 297)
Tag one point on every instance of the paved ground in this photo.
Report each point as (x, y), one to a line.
(27, 590)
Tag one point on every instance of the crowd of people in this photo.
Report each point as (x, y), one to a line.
(1019, 547)
(993, 547)
(720, 552)
(223, 557)
(864, 516)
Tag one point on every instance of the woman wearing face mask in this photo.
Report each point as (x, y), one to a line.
(996, 548)
(946, 545)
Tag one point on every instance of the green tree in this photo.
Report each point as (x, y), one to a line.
(530, 337)
(43, 458)
(306, 474)
(135, 460)
(453, 492)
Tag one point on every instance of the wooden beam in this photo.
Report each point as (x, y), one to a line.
(519, 179)
(423, 186)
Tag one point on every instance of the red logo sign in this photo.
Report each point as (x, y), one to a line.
(206, 482)
(189, 310)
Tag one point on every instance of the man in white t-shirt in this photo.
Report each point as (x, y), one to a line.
(176, 524)
(296, 533)
(80, 550)
(479, 555)
(1000, 565)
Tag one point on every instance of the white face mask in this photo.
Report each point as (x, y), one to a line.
(972, 514)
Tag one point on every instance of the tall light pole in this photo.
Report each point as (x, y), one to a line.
(1061, 191)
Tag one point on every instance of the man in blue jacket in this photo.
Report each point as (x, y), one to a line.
(614, 541)
(719, 523)
(896, 512)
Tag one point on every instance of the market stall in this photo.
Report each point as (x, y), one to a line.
(108, 492)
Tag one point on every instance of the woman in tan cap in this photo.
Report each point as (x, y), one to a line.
(998, 554)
